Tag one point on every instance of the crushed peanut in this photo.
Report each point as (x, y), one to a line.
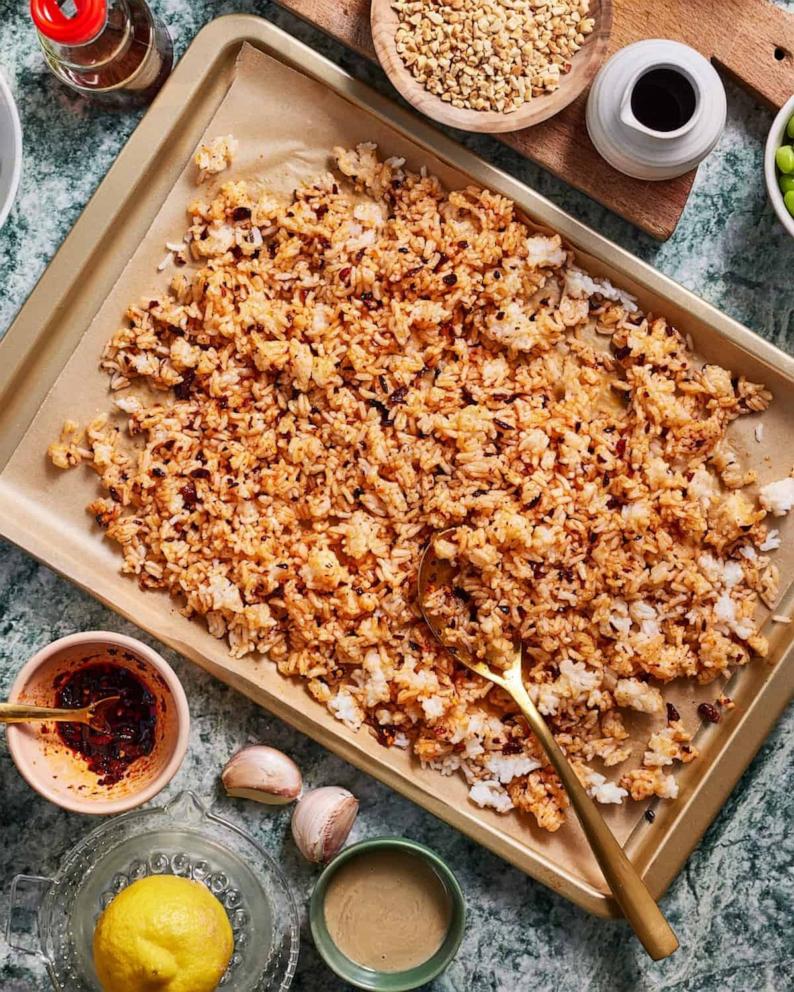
(490, 54)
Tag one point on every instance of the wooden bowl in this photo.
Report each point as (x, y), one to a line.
(584, 65)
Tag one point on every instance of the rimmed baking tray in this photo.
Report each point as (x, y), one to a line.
(61, 328)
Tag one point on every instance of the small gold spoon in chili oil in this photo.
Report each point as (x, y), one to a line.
(93, 716)
(628, 888)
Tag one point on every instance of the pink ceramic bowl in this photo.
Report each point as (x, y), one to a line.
(62, 776)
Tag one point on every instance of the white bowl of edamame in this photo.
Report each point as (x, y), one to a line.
(779, 165)
(10, 149)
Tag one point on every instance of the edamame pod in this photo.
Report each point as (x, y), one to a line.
(784, 159)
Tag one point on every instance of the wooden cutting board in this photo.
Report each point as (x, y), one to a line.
(751, 40)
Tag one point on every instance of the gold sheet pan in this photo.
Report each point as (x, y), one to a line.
(289, 106)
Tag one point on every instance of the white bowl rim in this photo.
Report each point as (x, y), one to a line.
(16, 152)
(773, 142)
(157, 784)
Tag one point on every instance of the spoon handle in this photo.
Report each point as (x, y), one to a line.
(26, 713)
(629, 890)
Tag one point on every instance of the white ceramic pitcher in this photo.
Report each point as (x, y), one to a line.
(631, 145)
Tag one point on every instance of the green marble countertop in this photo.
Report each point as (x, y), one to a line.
(731, 905)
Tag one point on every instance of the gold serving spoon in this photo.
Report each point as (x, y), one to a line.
(93, 716)
(629, 890)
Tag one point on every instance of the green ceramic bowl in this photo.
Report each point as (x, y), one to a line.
(388, 981)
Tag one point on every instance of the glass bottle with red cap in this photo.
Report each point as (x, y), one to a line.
(115, 50)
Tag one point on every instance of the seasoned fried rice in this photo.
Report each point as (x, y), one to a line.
(347, 370)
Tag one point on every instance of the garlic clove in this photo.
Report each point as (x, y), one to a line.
(322, 821)
(263, 774)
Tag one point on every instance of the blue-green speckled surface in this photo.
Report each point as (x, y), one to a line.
(732, 904)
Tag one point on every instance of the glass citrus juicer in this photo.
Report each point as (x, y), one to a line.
(54, 918)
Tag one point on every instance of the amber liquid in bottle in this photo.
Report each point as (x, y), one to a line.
(125, 64)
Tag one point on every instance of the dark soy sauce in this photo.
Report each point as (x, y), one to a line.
(663, 100)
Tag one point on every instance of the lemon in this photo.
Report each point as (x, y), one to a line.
(162, 934)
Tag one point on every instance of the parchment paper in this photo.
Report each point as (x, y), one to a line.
(286, 125)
